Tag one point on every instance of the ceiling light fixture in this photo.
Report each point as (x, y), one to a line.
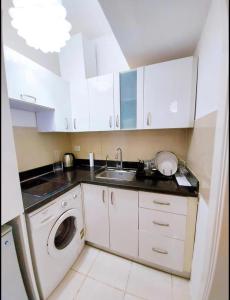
(41, 23)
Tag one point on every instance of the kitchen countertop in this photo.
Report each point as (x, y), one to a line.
(85, 174)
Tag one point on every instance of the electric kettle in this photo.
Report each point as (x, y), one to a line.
(68, 160)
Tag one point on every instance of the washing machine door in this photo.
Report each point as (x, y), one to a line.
(64, 234)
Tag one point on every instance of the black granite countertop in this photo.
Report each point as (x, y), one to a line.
(84, 174)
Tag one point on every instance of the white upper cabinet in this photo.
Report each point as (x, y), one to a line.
(27, 81)
(169, 94)
(128, 99)
(58, 120)
(80, 106)
(100, 91)
(77, 63)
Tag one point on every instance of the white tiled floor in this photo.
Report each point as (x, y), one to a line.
(97, 275)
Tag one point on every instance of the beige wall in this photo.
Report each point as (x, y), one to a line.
(200, 151)
(136, 145)
(35, 149)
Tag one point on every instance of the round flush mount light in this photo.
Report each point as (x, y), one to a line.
(41, 23)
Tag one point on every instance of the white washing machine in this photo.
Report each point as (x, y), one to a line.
(57, 237)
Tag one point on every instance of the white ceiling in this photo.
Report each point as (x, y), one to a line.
(86, 16)
(150, 31)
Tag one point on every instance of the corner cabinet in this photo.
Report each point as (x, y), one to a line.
(169, 94)
(101, 105)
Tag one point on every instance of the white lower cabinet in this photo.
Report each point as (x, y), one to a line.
(123, 218)
(161, 250)
(155, 229)
(111, 218)
(167, 224)
(96, 214)
(167, 230)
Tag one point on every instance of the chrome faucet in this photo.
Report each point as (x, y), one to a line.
(121, 163)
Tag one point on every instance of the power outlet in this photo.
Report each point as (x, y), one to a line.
(77, 148)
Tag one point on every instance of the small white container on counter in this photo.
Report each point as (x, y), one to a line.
(91, 159)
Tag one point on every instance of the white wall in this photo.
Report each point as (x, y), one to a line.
(109, 55)
(210, 52)
(14, 41)
(211, 95)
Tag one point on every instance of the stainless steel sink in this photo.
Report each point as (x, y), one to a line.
(115, 174)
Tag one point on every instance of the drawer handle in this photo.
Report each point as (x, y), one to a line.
(161, 203)
(160, 224)
(160, 251)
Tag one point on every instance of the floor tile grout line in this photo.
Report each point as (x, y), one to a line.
(130, 270)
(172, 296)
(105, 283)
(90, 268)
(138, 297)
(90, 265)
(81, 285)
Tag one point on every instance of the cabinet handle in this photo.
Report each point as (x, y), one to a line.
(112, 198)
(149, 119)
(67, 124)
(161, 203)
(74, 123)
(159, 251)
(117, 121)
(28, 96)
(160, 224)
(110, 122)
(103, 196)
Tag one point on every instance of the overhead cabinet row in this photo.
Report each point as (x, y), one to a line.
(152, 97)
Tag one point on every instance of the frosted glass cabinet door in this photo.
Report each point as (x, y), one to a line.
(169, 94)
(128, 99)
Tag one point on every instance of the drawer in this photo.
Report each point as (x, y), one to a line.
(160, 250)
(162, 202)
(167, 224)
